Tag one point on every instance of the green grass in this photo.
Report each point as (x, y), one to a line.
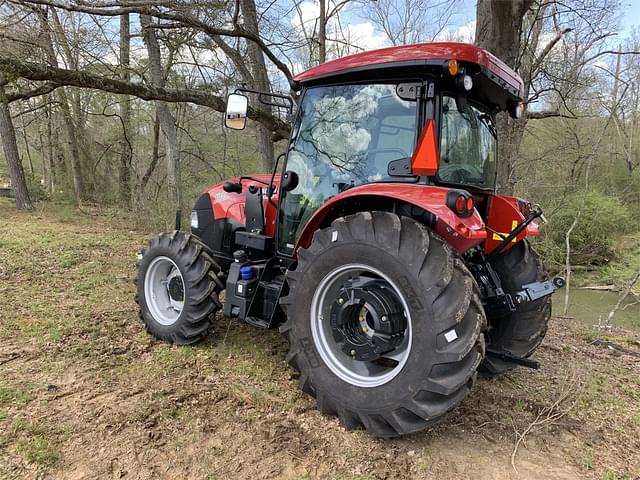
(31, 440)
(10, 395)
(38, 450)
(611, 474)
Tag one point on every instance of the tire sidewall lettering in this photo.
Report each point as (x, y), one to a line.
(410, 294)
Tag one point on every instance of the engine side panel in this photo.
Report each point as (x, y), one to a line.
(221, 214)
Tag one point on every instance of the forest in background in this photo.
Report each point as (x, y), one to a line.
(118, 103)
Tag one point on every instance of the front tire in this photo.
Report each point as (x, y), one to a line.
(177, 288)
(375, 261)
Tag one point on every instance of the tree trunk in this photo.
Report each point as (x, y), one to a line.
(166, 119)
(126, 152)
(155, 155)
(10, 147)
(498, 29)
(264, 143)
(322, 32)
(74, 149)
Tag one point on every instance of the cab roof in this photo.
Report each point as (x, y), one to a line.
(421, 54)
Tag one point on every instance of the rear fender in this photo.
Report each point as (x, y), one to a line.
(504, 213)
(461, 233)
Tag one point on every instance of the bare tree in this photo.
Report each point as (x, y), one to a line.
(165, 117)
(410, 21)
(63, 100)
(554, 45)
(126, 152)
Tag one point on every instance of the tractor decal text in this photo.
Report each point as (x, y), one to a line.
(310, 352)
(412, 298)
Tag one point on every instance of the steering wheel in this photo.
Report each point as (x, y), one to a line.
(402, 153)
(456, 173)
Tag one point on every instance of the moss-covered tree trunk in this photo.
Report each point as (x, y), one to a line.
(12, 156)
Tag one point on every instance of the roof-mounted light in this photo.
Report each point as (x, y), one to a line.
(467, 82)
(464, 82)
(453, 68)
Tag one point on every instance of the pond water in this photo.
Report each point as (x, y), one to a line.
(590, 305)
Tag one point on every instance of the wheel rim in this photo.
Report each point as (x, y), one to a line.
(366, 291)
(164, 290)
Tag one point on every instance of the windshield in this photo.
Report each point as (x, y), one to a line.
(467, 146)
(346, 135)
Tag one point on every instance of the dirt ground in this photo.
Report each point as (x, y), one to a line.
(86, 393)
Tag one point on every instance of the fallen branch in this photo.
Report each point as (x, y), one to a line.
(622, 297)
(600, 287)
(547, 415)
(615, 346)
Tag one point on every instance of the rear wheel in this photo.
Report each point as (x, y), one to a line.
(518, 333)
(384, 324)
(177, 288)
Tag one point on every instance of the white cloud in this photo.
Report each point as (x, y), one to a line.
(364, 35)
(464, 33)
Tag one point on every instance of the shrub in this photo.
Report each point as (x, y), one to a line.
(602, 221)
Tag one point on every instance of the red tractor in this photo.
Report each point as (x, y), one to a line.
(382, 251)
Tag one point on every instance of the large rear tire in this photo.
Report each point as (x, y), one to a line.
(518, 333)
(372, 259)
(177, 288)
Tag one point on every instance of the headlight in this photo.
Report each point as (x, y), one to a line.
(194, 219)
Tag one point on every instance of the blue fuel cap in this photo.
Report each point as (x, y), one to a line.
(246, 273)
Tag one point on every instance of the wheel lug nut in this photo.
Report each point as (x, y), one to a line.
(341, 301)
(353, 353)
(384, 319)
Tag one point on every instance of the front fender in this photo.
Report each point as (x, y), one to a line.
(460, 233)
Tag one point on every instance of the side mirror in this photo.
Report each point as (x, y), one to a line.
(235, 117)
(289, 181)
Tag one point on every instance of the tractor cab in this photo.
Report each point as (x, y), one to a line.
(413, 115)
(382, 251)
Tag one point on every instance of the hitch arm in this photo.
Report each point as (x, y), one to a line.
(533, 291)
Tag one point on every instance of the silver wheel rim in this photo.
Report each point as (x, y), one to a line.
(355, 372)
(162, 275)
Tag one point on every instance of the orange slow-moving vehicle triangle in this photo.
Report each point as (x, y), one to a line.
(425, 159)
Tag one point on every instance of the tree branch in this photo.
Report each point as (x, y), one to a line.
(36, 92)
(188, 20)
(84, 79)
(547, 114)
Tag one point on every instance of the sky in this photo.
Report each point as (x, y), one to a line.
(463, 22)
(631, 15)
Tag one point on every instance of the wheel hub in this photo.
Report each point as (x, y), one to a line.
(164, 290)
(367, 319)
(175, 288)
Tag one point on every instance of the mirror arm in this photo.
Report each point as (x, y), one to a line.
(262, 98)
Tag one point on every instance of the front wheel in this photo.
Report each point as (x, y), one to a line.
(177, 288)
(384, 324)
